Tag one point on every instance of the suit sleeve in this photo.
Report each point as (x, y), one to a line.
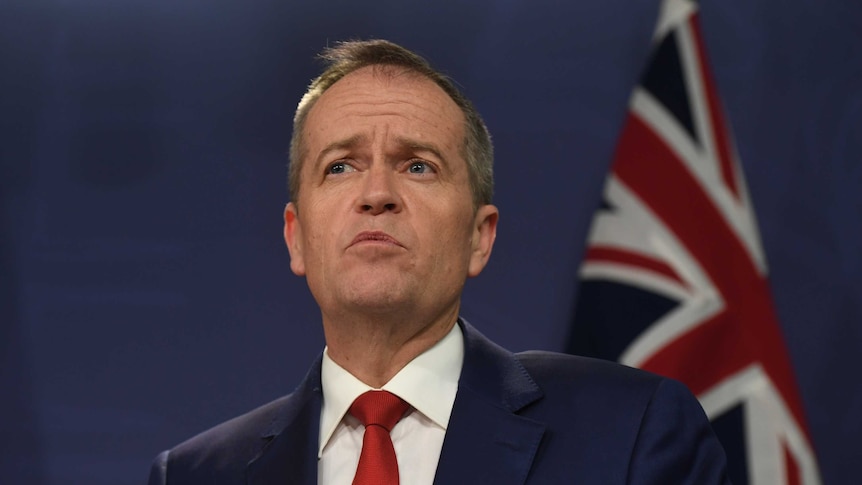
(675, 443)
(159, 470)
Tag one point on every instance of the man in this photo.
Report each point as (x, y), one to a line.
(391, 211)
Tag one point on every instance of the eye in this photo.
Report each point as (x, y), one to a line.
(419, 167)
(338, 168)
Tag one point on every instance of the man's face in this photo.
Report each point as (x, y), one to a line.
(385, 220)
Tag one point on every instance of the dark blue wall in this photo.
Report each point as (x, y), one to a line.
(145, 292)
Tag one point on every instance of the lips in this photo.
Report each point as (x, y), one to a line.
(375, 237)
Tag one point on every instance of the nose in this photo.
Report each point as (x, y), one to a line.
(379, 192)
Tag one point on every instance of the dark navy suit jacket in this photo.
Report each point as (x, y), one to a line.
(528, 418)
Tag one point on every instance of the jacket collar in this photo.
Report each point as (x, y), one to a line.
(486, 442)
(290, 452)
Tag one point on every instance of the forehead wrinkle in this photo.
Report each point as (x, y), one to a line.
(434, 119)
(405, 94)
(422, 115)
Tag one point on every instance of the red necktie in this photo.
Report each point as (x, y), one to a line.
(378, 411)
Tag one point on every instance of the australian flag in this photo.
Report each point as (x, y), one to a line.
(674, 279)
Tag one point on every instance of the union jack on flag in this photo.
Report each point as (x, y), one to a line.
(674, 280)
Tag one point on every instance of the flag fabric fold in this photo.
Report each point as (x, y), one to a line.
(674, 279)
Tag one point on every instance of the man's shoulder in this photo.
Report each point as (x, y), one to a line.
(599, 385)
(227, 448)
(625, 415)
(231, 433)
(224, 450)
(557, 368)
(234, 441)
(562, 377)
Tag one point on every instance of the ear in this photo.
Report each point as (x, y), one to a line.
(293, 239)
(484, 234)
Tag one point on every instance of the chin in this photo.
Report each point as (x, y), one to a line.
(377, 302)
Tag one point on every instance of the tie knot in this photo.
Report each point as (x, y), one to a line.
(379, 408)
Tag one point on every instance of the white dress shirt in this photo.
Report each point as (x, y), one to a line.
(428, 383)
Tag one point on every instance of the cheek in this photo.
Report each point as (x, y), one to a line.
(453, 236)
(321, 227)
(324, 240)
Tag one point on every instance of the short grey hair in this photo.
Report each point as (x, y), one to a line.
(347, 57)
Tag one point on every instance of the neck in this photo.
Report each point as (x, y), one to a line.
(375, 348)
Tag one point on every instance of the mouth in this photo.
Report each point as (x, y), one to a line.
(375, 237)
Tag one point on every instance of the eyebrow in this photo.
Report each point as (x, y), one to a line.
(403, 142)
(344, 144)
(420, 146)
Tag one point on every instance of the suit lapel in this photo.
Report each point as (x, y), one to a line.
(290, 456)
(486, 444)
(487, 441)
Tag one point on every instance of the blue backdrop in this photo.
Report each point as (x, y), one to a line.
(145, 292)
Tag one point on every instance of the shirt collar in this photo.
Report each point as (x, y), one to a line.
(428, 383)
